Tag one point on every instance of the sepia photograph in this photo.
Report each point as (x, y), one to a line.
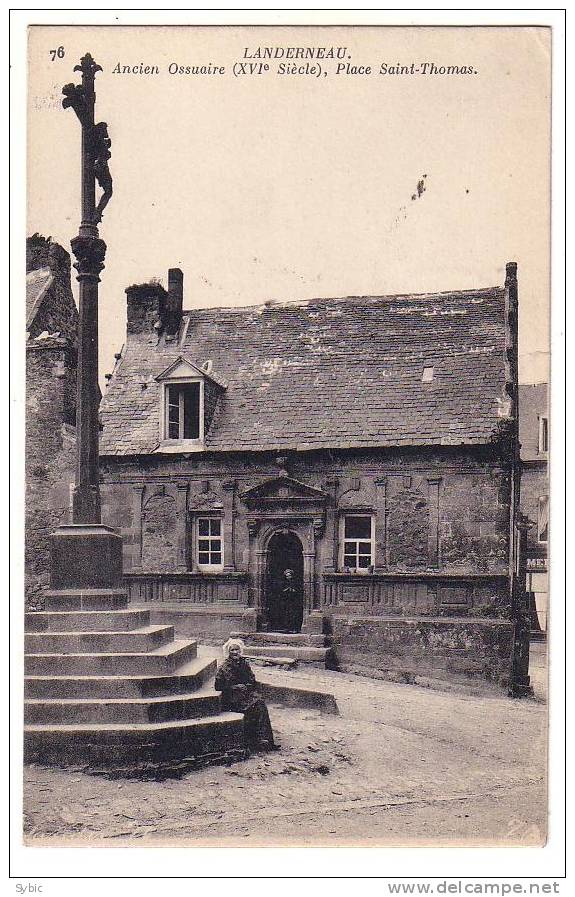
(287, 436)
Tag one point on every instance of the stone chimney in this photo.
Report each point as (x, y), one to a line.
(174, 300)
(152, 308)
(146, 302)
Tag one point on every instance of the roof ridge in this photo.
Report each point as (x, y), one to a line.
(278, 303)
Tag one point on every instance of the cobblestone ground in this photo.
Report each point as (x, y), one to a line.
(400, 764)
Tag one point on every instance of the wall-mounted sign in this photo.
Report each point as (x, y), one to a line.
(539, 564)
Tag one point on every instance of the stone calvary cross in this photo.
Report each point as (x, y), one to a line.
(90, 252)
(103, 684)
(87, 554)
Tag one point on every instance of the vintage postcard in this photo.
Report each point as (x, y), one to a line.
(287, 436)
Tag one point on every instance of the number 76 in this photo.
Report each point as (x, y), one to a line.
(59, 53)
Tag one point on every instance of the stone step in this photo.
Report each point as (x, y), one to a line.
(86, 599)
(303, 639)
(86, 621)
(97, 743)
(303, 653)
(192, 676)
(285, 663)
(165, 659)
(123, 710)
(147, 638)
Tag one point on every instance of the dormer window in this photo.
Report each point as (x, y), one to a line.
(543, 435)
(183, 411)
(189, 395)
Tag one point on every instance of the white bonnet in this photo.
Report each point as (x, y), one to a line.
(233, 643)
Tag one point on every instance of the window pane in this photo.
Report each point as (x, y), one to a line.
(543, 519)
(191, 394)
(215, 544)
(349, 561)
(543, 434)
(203, 526)
(203, 557)
(365, 547)
(215, 526)
(173, 413)
(358, 527)
(216, 558)
(364, 561)
(204, 545)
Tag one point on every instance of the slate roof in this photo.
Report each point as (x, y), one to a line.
(38, 283)
(328, 373)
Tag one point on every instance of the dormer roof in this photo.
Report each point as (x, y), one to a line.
(183, 369)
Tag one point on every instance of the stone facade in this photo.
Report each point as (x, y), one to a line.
(353, 441)
(50, 405)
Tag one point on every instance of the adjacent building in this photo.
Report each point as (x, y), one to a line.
(51, 334)
(534, 438)
(366, 443)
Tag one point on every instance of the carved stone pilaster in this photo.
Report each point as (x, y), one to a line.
(182, 552)
(381, 559)
(137, 502)
(332, 534)
(433, 497)
(228, 523)
(253, 527)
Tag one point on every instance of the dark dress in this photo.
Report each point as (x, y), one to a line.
(291, 609)
(237, 684)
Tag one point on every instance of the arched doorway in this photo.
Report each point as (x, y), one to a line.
(284, 610)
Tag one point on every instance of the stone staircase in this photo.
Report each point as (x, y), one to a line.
(288, 649)
(103, 686)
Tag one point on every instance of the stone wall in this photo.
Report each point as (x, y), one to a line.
(57, 313)
(50, 454)
(416, 650)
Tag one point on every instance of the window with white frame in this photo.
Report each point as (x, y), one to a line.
(183, 411)
(543, 519)
(543, 434)
(358, 542)
(210, 548)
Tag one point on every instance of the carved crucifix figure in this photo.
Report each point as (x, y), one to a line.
(96, 141)
(102, 145)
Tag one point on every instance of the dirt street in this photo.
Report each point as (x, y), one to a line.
(400, 764)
